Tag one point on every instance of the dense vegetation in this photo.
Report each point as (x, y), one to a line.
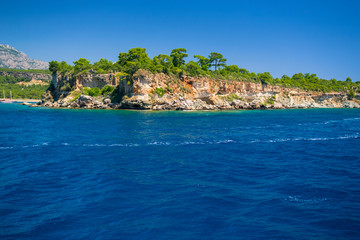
(213, 66)
(8, 83)
(106, 90)
(22, 91)
(11, 79)
(25, 71)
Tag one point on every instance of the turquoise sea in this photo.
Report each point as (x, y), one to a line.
(115, 174)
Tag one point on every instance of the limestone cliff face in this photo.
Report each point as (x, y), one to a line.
(81, 81)
(145, 90)
(63, 83)
(161, 92)
(96, 80)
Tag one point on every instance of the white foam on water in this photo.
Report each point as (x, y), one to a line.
(124, 145)
(4, 148)
(331, 121)
(225, 141)
(316, 139)
(298, 199)
(354, 136)
(160, 143)
(280, 140)
(202, 142)
(352, 119)
(94, 145)
(205, 142)
(320, 123)
(191, 143)
(349, 136)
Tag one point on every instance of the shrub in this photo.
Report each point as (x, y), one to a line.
(160, 91)
(76, 95)
(107, 90)
(86, 91)
(232, 97)
(270, 100)
(168, 89)
(66, 87)
(194, 69)
(100, 71)
(122, 76)
(93, 92)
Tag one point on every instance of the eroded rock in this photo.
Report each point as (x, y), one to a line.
(146, 90)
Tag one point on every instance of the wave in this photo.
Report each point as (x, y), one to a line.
(156, 143)
(352, 119)
(298, 199)
(355, 136)
(124, 145)
(329, 121)
(202, 142)
(320, 123)
(94, 145)
(160, 143)
(4, 148)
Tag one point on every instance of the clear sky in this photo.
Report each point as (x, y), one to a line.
(280, 37)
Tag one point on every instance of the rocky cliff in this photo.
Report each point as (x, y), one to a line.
(13, 58)
(145, 90)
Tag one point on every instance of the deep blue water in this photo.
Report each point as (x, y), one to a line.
(100, 174)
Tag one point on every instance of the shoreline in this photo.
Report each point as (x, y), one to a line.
(188, 110)
(35, 103)
(28, 102)
(20, 100)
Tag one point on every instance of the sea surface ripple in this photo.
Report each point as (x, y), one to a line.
(99, 174)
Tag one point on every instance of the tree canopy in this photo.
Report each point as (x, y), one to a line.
(213, 66)
(82, 65)
(217, 60)
(133, 60)
(178, 56)
(103, 65)
(204, 62)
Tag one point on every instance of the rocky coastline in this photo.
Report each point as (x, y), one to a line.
(147, 91)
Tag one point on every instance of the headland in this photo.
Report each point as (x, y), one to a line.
(168, 83)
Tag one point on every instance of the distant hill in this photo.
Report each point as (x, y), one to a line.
(13, 58)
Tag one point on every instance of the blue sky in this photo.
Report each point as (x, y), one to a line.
(280, 37)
